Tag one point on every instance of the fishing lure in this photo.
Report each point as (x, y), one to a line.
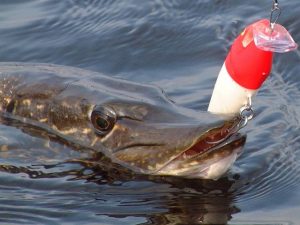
(248, 65)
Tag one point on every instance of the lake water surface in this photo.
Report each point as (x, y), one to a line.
(180, 46)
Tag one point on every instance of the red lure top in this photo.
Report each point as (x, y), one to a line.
(248, 65)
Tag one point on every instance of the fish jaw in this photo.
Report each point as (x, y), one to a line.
(211, 164)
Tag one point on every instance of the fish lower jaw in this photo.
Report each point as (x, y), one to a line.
(208, 170)
(216, 170)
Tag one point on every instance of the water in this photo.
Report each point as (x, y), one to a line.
(177, 45)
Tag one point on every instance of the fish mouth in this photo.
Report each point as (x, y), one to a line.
(202, 146)
(206, 159)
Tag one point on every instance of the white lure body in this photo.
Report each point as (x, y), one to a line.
(228, 96)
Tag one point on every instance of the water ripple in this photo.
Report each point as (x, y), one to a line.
(275, 159)
(180, 46)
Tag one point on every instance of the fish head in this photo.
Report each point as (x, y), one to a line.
(164, 141)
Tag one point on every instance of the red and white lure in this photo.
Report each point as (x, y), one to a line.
(248, 64)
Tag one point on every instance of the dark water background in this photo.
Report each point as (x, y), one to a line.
(180, 46)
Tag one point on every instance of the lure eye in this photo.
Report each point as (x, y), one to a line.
(103, 119)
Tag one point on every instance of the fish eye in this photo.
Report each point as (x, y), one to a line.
(103, 119)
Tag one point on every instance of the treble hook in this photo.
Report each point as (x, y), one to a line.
(275, 13)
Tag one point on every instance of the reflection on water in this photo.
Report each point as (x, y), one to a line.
(179, 46)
